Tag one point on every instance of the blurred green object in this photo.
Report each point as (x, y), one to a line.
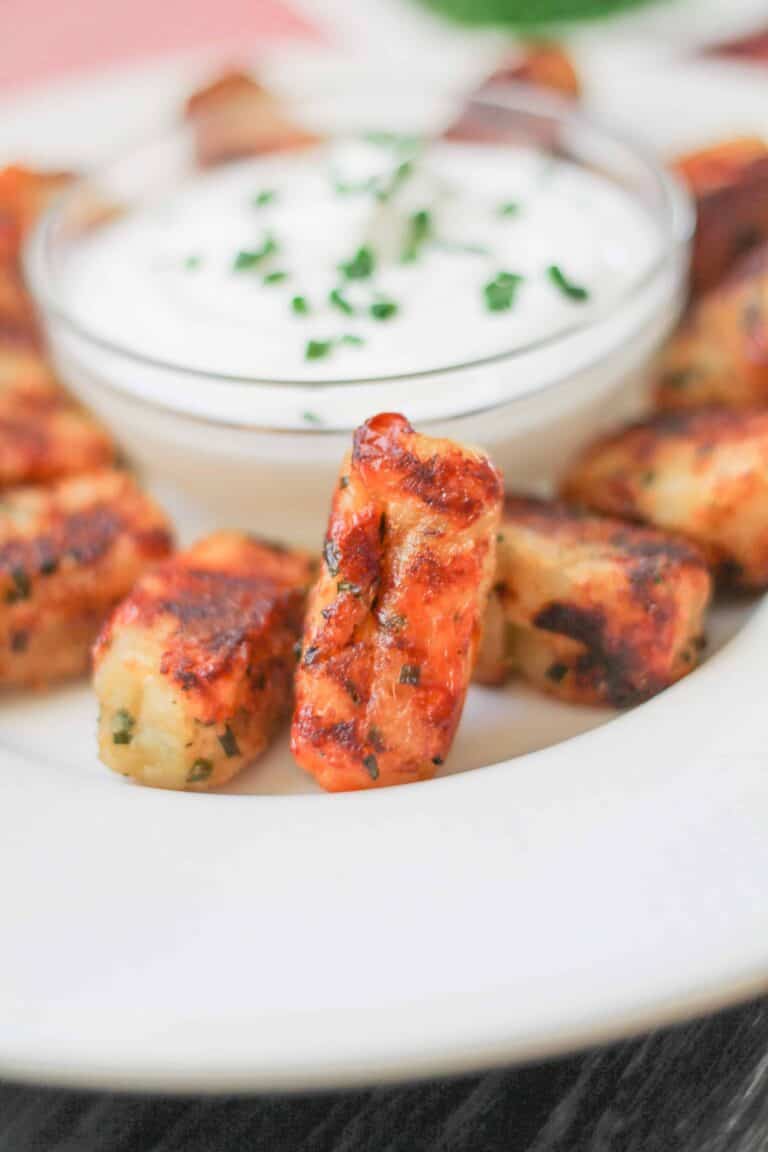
(529, 13)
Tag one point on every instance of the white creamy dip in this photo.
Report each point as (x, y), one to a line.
(207, 280)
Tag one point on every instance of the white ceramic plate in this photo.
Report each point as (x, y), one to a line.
(587, 883)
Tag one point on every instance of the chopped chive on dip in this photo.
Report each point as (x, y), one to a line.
(266, 196)
(510, 208)
(317, 349)
(351, 339)
(418, 231)
(311, 418)
(337, 299)
(352, 187)
(568, 287)
(500, 292)
(276, 277)
(122, 727)
(250, 258)
(458, 246)
(192, 263)
(300, 305)
(385, 190)
(383, 309)
(361, 266)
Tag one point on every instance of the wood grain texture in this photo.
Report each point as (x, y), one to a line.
(698, 1088)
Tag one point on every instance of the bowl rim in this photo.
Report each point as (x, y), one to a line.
(675, 215)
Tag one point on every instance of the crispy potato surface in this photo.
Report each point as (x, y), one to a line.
(394, 619)
(68, 554)
(702, 472)
(720, 353)
(591, 609)
(44, 436)
(194, 670)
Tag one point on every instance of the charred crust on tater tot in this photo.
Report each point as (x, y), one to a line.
(394, 618)
(589, 608)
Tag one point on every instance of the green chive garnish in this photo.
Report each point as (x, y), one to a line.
(351, 339)
(192, 263)
(371, 766)
(261, 199)
(511, 208)
(383, 309)
(500, 292)
(300, 305)
(276, 277)
(200, 770)
(337, 299)
(360, 267)
(332, 557)
(20, 589)
(392, 140)
(318, 349)
(249, 258)
(568, 288)
(122, 727)
(418, 231)
(229, 743)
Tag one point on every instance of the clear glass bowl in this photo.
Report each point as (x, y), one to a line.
(205, 436)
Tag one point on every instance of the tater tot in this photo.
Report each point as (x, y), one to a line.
(720, 353)
(68, 554)
(193, 672)
(394, 619)
(701, 472)
(590, 609)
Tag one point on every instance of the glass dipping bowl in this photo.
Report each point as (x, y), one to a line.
(262, 455)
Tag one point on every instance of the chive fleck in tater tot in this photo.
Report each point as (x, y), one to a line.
(68, 554)
(701, 472)
(591, 609)
(394, 619)
(194, 670)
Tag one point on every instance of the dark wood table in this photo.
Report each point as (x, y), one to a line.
(702, 1087)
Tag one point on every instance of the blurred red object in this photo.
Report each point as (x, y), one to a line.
(48, 38)
(754, 48)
